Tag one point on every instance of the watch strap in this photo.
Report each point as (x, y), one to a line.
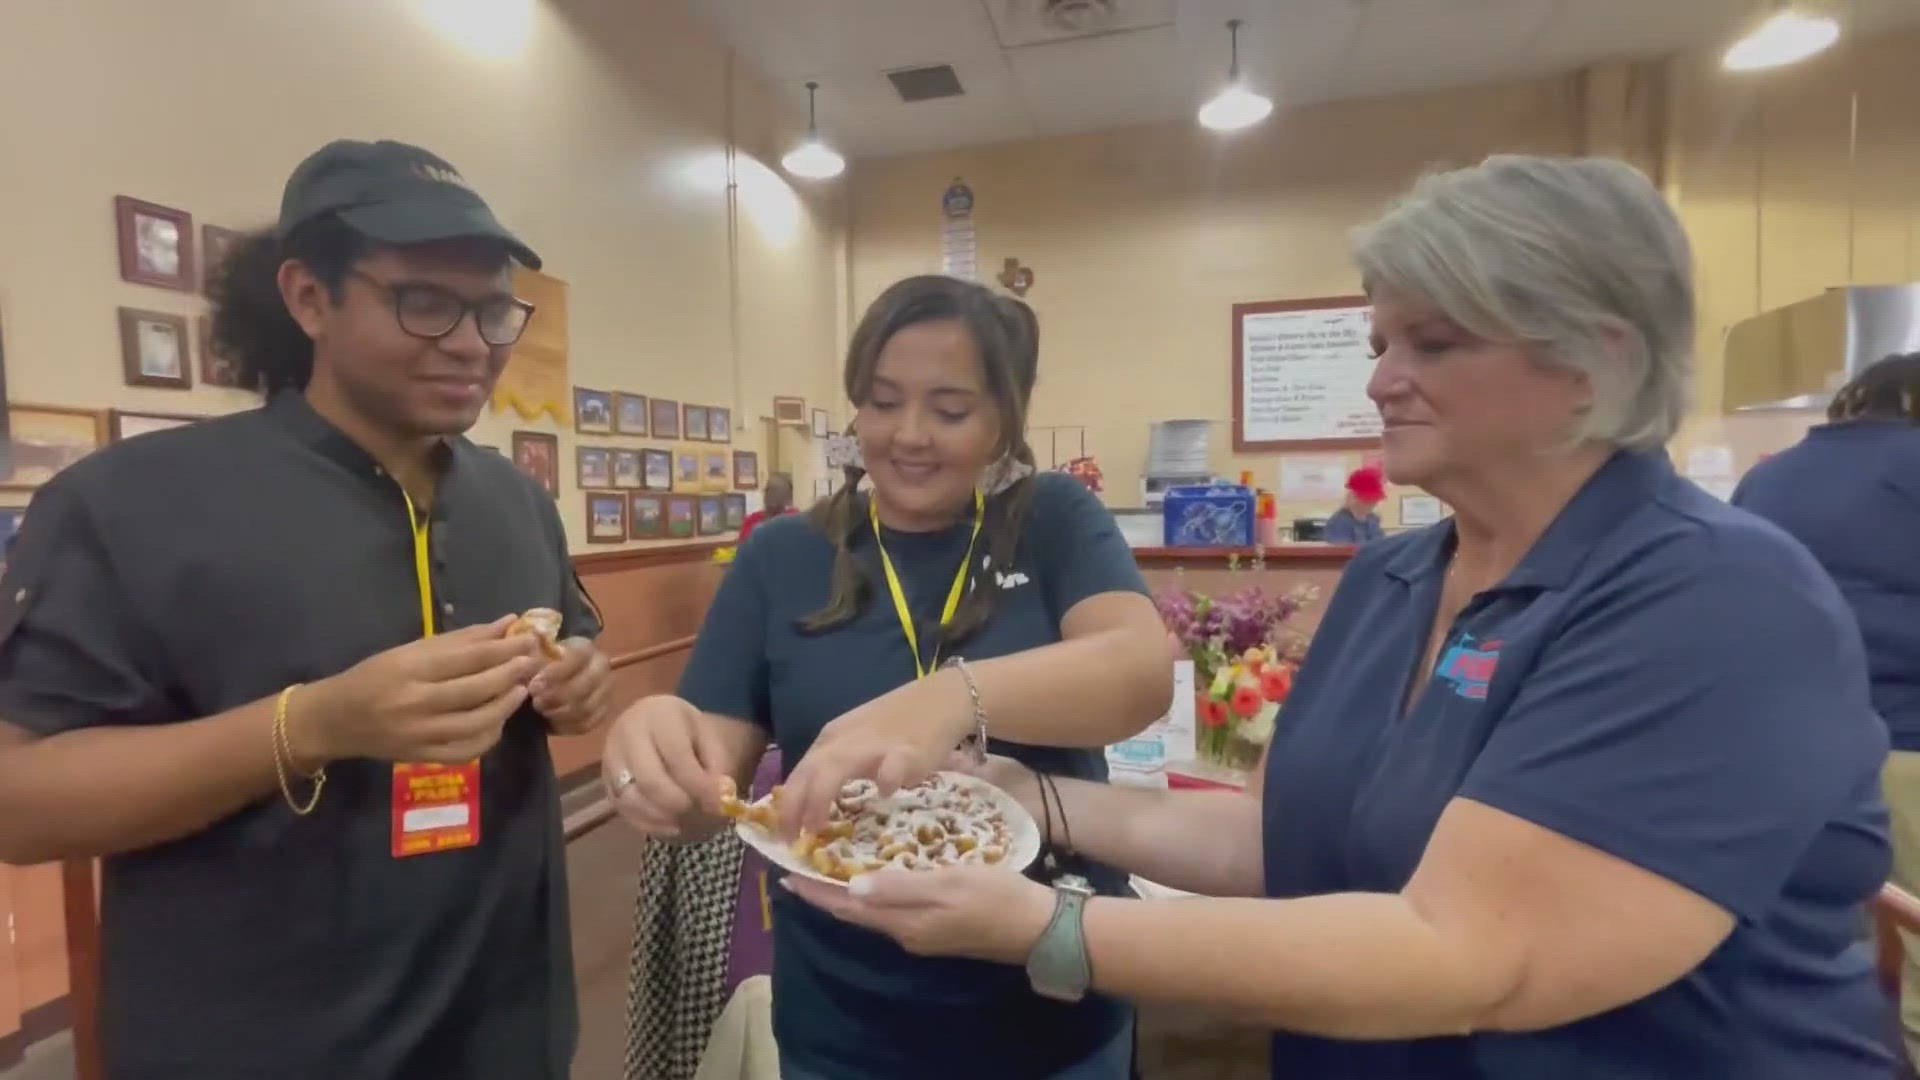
(1059, 967)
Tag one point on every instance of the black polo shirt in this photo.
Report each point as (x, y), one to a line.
(184, 573)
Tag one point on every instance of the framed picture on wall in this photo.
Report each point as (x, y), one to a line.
(686, 471)
(122, 424)
(790, 411)
(216, 244)
(646, 516)
(820, 428)
(626, 468)
(696, 429)
(156, 243)
(606, 517)
(713, 515)
(680, 516)
(746, 470)
(736, 511)
(719, 474)
(665, 418)
(43, 439)
(593, 467)
(592, 411)
(216, 367)
(537, 455)
(154, 350)
(720, 425)
(629, 414)
(656, 470)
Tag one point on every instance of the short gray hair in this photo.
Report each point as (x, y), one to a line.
(1581, 257)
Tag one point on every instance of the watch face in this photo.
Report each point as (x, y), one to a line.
(1074, 883)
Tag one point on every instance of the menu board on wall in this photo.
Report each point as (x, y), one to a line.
(1300, 371)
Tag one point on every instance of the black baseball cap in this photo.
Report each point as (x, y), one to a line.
(393, 193)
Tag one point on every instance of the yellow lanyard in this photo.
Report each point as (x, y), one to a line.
(422, 565)
(900, 607)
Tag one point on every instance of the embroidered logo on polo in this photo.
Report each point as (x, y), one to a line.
(1003, 578)
(1468, 667)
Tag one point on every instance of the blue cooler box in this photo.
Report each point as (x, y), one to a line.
(1209, 516)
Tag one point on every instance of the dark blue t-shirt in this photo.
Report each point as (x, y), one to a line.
(1851, 493)
(850, 1004)
(1664, 678)
(1344, 527)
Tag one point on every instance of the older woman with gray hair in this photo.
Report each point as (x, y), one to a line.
(1581, 782)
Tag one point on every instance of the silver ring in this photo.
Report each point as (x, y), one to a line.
(622, 781)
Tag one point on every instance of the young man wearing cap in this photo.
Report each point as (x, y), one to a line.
(1355, 522)
(262, 665)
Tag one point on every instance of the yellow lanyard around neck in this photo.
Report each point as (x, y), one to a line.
(900, 607)
(422, 565)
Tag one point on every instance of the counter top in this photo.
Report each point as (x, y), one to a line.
(1284, 554)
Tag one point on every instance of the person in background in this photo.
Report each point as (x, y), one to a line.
(1850, 491)
(261, 666)
(1581, 782)
(1355, 522)
(778, 503)
(838, 636)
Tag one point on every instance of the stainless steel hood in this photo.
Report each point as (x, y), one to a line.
(1795, 357)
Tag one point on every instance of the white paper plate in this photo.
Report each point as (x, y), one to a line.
(1025, 847)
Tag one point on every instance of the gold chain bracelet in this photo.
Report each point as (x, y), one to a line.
(283, 762)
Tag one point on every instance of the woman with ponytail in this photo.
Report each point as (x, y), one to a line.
(834, 638)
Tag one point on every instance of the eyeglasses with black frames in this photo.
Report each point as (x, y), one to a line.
(433, 311)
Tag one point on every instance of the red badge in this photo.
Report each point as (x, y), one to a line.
(435, 808)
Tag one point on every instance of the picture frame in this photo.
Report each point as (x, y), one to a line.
(44, 439)
(216, 368)
(746, 470)
(156, 244)
(696, 423)
(713, 515)
(155, 350)
(656, 470)
(592, 411)
(629, 414)
(790, 411)
(719, 425)
(606, 517)
(821, 429)
(718, 474)
(686, 471)
(682, 520)
(663, 418)
(537, 455)
(735, 514)
(593, 467)
(646, 516)
(626, 469)
(123, 424)
(216, 244)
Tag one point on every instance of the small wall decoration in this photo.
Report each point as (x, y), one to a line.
(606, 517)
(790, 411)
(646, 516)
(656, 470)
(746, 470)
(696, 430)
(592, 411)
(43, 439)
(665, 418)
(719, 476)
(736, 511)
(720, 425)
(537, 455)
(122, 424)
(629, 414)
(216, 244)
(1016, 278)
(713, 515)
(820, 428)
(154, 349)
(593, 467)
(216, 368)
(680, 516)
(686, 471)
(535, 381)
(156, 244)
(626, 468)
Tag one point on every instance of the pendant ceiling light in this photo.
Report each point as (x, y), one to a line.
(813, 159)
(1789, 36)
(1236, 106)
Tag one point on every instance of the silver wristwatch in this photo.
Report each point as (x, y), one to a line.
(1059, 967)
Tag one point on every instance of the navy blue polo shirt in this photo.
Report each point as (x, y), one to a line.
(1851, 493)
(1343, 527)
(1663, 677)
(849, 1003)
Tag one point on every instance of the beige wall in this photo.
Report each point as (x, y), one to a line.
(1142, 238)
(605, 141)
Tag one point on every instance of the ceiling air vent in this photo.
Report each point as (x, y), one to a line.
(926, 83)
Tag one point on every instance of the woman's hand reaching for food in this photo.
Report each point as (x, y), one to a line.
(897, 739)
(667, 769)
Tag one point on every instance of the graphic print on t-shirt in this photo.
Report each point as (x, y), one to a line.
(1469, 668)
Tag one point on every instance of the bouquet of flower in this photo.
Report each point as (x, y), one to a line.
(1243, 656)
(1087, 471)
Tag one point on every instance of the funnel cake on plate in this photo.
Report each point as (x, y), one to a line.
(946, 820)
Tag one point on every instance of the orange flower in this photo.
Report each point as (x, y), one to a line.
(1276, 683)
(1247, 700)
(1213, 713)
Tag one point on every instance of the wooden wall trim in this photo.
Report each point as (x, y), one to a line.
(609, 562)
(651, 652)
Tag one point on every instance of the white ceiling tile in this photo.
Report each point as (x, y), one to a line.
(1102, 82)
(1023, 23)
(1416, 44)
